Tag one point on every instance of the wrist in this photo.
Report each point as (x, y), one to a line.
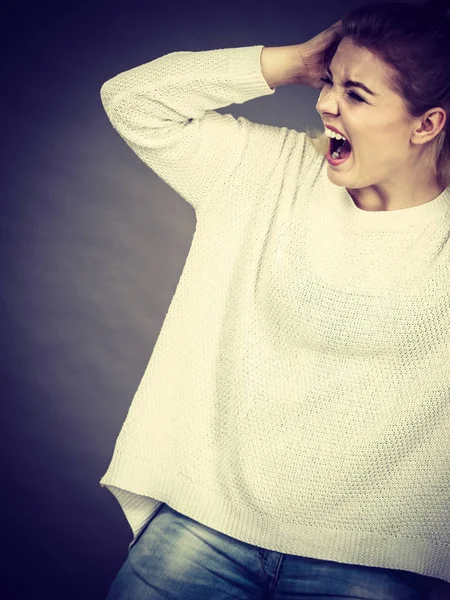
(282, 65)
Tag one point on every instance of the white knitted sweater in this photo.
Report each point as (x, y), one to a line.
(298, 395)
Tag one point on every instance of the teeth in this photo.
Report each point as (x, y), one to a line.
(337, 153)
(333, 134)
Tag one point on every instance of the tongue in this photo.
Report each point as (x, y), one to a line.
(346, 150)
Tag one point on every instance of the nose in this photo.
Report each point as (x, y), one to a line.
(327, 102)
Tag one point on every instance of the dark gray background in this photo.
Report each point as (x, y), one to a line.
(92, 247)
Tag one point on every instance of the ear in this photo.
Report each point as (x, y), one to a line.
(430, 125)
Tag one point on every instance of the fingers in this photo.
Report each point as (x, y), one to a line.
(338, 24)
(337, 28)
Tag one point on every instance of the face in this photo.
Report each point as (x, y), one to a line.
(378, 127)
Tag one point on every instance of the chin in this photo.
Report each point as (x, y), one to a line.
(334, 175)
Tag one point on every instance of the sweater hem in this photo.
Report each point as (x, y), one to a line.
(141, 499)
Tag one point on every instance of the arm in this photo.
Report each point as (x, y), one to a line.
(282, 65)
(165, 111)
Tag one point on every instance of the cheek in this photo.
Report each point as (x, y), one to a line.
(375, 143)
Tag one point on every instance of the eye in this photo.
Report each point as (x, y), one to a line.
(352, 95)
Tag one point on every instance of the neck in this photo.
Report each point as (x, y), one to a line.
(396, 196)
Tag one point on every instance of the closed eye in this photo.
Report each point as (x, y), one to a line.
(352, 95)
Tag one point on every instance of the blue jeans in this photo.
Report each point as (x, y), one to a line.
(177, 558)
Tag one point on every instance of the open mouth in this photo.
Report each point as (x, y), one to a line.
(338, 151)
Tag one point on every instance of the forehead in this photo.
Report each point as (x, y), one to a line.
(354, 62)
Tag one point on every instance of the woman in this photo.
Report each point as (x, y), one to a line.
(289, 438)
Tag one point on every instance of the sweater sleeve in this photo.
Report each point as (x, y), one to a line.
(164, 110)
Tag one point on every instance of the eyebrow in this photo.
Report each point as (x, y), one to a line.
(351, 83)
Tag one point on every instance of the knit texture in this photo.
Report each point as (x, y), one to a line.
(298, 395)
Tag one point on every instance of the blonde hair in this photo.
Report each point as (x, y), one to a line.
(319, 140)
